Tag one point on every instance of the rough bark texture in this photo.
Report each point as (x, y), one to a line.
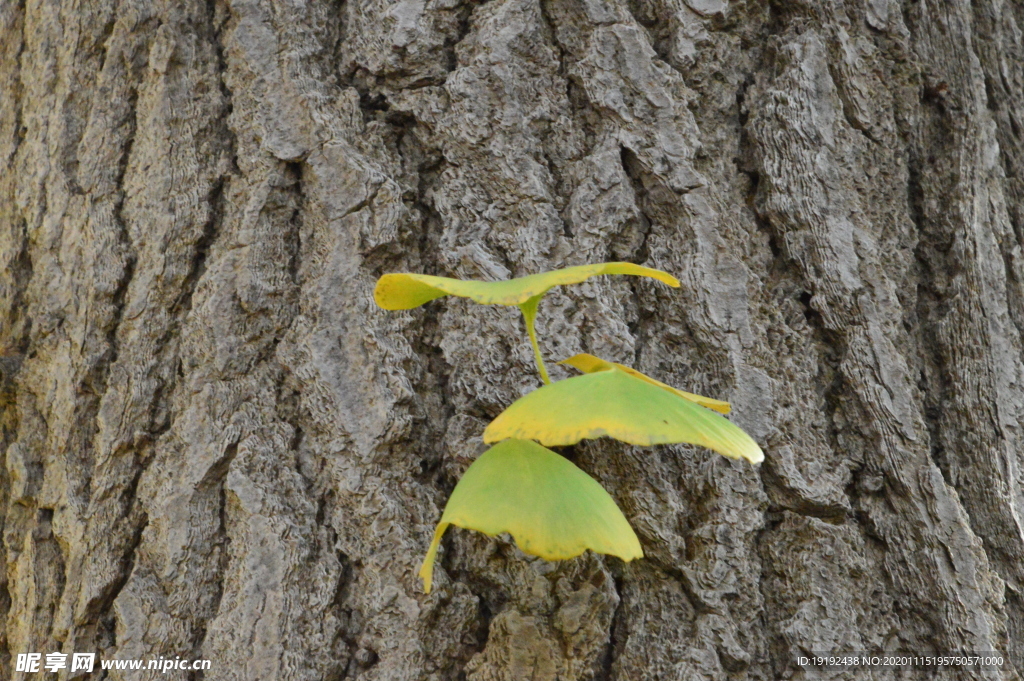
(217, 446)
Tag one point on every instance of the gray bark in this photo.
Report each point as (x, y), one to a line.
(216, 446)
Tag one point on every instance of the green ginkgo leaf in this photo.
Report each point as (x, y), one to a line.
(612, 403)
(588, 364)
(403, 291)
(550, 507)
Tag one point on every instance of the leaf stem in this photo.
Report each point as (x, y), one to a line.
(529, 309)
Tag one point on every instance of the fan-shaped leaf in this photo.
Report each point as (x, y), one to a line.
(403, 291)
(588, 364)
(618, 405)
(549, 506)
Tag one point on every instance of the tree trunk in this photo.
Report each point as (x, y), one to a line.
(217, 446)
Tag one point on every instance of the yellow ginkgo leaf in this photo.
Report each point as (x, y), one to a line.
(615, 404)
(550, 507)
(588, 364)
(401, 291)
(404, 291)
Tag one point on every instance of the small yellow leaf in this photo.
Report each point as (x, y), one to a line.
(402, 291)
(588, 364)
(550, 507)
(615, 404)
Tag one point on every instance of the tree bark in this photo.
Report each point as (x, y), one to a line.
(216, 446)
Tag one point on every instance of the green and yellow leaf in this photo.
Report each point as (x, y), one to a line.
(588, 364)
(550, 507)
(402, 291)
(615, 404)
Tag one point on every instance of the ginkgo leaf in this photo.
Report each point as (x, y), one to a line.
(550, 507)
(588, 364)
(402, 291)
(612, 403)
